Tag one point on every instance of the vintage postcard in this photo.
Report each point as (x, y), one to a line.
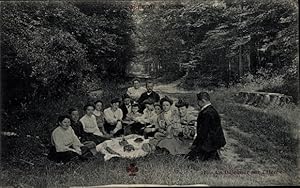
(146, 93)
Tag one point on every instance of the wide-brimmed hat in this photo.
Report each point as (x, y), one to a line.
(115, 100)
(166, 98)
(181, 103)
(148, 101)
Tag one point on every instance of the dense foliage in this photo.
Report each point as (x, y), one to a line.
(50, 50)
(218, 42)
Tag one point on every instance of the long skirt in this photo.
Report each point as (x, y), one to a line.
(94, 138)
(135, 128)
(88, 150)
(175, 145)
(109, 128)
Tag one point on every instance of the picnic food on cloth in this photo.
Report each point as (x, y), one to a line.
(138, 140)
(128, 148)
(123, 143)
(133, 147)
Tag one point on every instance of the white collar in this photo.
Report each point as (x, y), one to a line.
(168, 112)
(113, 110)
(205, 106)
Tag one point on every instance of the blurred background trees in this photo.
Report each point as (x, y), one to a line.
(220, 43)
(52, 50)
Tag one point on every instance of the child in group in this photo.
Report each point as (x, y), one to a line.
(126, 105)
(151, 129)
(133, 126)
(149, 114)
(99, 114)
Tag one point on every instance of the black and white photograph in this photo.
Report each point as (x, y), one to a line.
(149, 93)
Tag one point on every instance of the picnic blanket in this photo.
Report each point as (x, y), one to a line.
(114, 147)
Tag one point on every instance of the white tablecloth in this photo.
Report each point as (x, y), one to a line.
(115, 146)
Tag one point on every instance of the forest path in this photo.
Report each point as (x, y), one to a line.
(232, 153)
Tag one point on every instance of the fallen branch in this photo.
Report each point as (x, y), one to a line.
(30, 163)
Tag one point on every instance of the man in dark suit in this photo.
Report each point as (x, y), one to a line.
(210, 136)
(149, 94)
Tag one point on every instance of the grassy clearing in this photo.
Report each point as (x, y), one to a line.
(152, 170)
(263, 141)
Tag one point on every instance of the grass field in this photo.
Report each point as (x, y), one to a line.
(261, 150)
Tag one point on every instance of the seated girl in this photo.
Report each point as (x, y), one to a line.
(90, 126)
(113, 118)
(148, 113)
(131, 121)
(182, 132)
(99, 114)
(151, 129)
(66, 144)
(186, 120)
(166, 121)
(76, 124)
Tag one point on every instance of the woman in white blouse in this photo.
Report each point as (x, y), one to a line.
(90, 125)
(113, 118)
(66, 144)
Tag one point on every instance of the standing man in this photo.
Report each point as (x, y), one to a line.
(136, 91)
(149, 94)
(210, 137)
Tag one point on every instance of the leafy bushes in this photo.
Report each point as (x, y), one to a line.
(52, 50)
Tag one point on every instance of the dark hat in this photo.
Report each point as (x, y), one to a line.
(181, 103)
(125, 96)
(115, 100)
(134, 103)
(166, 98)
(148, 101)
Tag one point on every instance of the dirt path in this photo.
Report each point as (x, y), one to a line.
(230, 153)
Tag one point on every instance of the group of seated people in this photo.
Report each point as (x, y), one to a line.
(140, 111)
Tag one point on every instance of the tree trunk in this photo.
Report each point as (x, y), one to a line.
(240, 62)
(249, 61)
(229, 71)
(298, 100)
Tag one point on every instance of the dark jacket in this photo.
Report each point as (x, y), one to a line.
(124, 110)
(154, 96)
(78, 129)
(210, 135)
